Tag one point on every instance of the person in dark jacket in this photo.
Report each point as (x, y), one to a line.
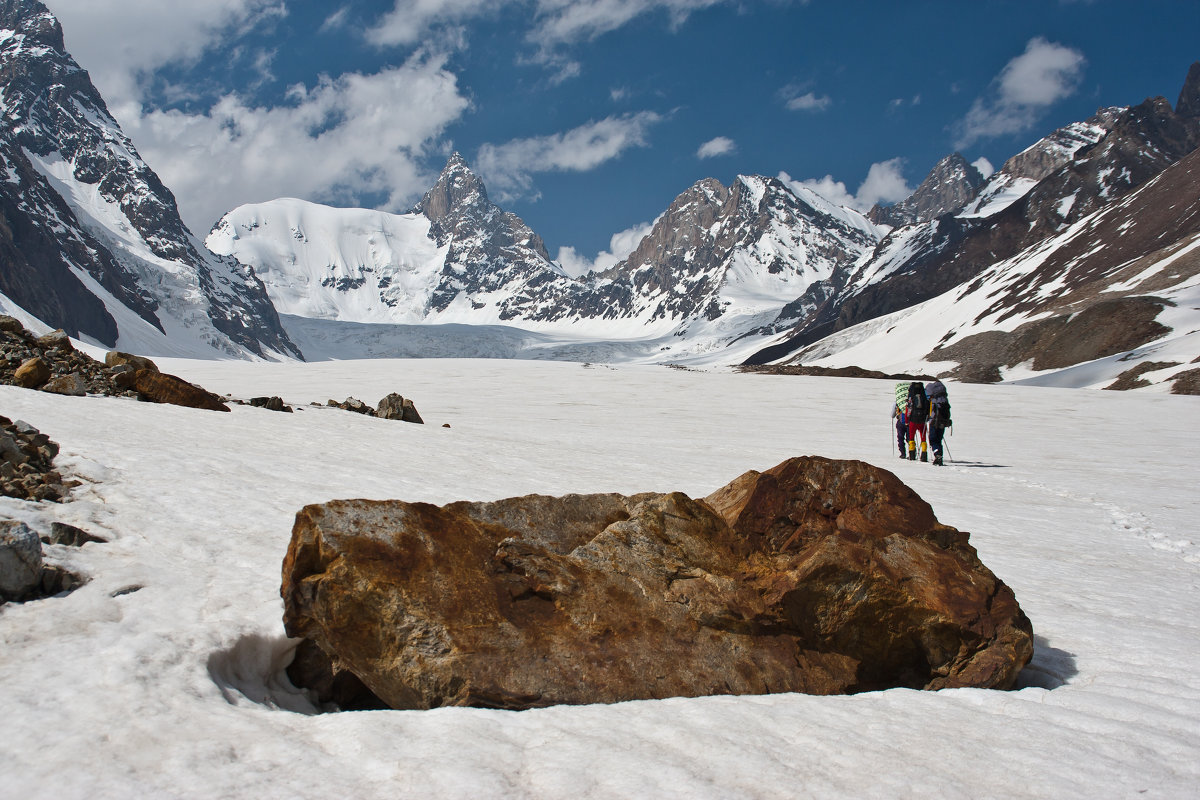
(939, 417)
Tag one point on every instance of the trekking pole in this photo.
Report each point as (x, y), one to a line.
(946, 445)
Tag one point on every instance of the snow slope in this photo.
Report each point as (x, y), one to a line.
(161, 677)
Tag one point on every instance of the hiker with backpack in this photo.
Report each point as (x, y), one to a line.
(939, 417)
(901, 400)
(916, 412)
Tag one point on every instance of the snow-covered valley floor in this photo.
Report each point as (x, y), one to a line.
(162, 676)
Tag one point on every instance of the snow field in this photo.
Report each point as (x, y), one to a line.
(1084, 502)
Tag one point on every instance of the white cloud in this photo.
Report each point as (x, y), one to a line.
(121, 42)
(619, 247)
(1043, 75)
(720, 146)
(410, 21)
(337, 141)
(509, 167)
(554, 23)
(984, 166)
(569, 21)
(809, 102)
(884, 184)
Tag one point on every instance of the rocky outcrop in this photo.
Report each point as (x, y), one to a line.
(816, 576)
(400, 408)
(394, 406)
(52, 364)
(26, 463)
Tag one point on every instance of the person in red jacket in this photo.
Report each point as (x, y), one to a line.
(916, 411)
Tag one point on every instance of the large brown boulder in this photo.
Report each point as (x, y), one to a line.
(161, 387)
(816, 576)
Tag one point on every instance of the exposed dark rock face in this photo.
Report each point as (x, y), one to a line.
(816, 576)
(53, 113)
(1104, 328)
(950, 185)
(1186, 382)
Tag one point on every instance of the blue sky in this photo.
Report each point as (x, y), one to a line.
(587, 119)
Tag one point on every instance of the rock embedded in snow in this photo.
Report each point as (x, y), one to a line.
(816, 576)
(160, 387)
(20, 560)
(397, 407)
(71, 384)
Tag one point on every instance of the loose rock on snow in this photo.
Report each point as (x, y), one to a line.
(816, 576)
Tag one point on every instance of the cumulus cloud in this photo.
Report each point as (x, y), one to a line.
(720, 146)
(122, 42)
(1043, 75)
(344, 139)
(509, 168)
(619, 247)
(884, 184)
(984, 166)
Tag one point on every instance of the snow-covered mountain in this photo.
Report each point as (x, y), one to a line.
(1055, 189)
(718, 262)
(93, 242)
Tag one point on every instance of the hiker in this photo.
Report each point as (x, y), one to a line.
(898, 414)
(916, 412)
(939, 417)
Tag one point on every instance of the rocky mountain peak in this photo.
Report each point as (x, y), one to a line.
(949, 186)
(1188, 104)
(456, 187)
(34, 21)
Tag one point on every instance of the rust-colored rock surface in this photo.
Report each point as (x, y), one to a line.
(816, 576)
(160, 387)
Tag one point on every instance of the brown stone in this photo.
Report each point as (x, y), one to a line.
(116, 358)
(32, 374)
(161, 387)
(816, 576)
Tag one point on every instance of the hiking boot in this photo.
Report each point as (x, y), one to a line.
(924, 456)
(937, 460)
(912, 455)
